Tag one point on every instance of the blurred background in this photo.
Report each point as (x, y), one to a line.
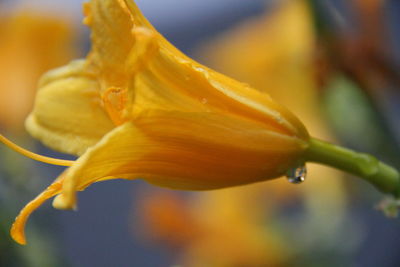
(334, 63)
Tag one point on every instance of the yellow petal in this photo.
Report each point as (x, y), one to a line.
(172, 83)
(111, 23)
(68, 114)
(191, 151)
(18, 228)
(169, 79)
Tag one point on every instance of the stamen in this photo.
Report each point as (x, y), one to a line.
(37, 157)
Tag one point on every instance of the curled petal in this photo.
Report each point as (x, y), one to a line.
(68, 114)
(18, 228)
(113, 40)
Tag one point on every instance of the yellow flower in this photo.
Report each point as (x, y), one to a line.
(138, 108)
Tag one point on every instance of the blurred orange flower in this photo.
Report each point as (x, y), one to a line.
(227, 227)
(30, 44)
(167, 217)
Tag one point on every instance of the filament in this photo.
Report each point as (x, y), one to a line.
(37, 157)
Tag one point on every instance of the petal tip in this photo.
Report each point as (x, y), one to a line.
(18, 234)
(63, 202)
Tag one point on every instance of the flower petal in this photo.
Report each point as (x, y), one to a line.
(181, 150)
(122, 37)
(18, 228)
(111, 23)
(68, 114)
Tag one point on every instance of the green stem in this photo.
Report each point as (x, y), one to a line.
(367, 167)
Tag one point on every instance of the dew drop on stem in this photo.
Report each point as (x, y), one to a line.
(297, 175)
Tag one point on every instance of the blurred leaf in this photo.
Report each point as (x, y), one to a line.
(355, 120)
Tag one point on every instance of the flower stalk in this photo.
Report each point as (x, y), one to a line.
(384, 177)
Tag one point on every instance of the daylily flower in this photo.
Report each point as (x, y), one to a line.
(137, 107)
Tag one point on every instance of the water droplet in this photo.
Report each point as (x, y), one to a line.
(204, 100)
(297, 175)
